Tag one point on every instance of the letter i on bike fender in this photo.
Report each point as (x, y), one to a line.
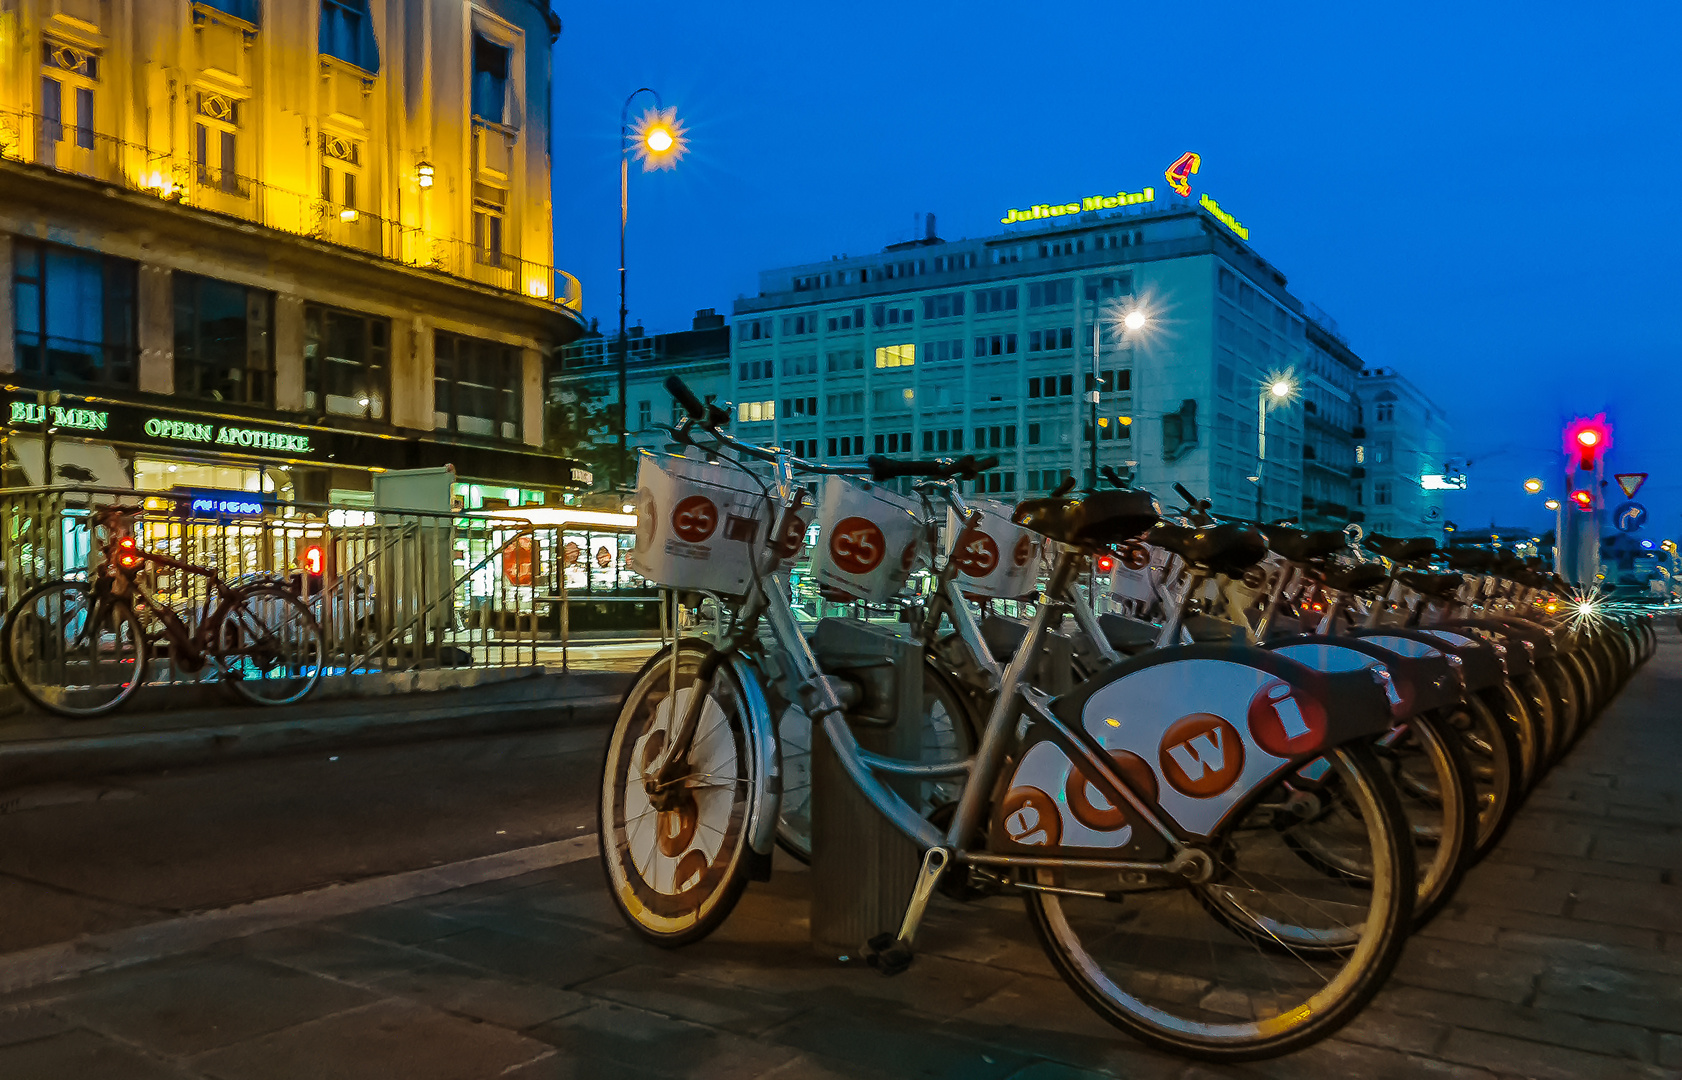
(1212, 723)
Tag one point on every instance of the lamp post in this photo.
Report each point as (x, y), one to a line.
(1276, 391)
(658, 145)
(1134, 320)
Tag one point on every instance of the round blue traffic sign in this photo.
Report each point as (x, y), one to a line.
(1629, 516)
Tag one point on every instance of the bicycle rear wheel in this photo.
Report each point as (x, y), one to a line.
(269, 645)
(1152, 960)
(73, 651)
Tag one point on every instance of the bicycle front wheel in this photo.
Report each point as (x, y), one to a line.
(677, 858)
(1174, 967)
(73, 651)
(269, 645)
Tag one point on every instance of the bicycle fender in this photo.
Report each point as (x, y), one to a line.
(1216, 723)
(1480, 662)
(1421, 675)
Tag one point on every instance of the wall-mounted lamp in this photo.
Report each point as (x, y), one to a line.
(347, 214)
(424, 174)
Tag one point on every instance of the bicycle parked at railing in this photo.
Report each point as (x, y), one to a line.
(80, 647)
(1152, 819)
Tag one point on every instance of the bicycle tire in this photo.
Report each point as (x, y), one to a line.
(1497, 768)
(23, 670)
(639, 856)
(1204, 1026)
(262, 690)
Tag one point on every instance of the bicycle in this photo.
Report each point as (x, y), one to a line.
(1147, 818)
(80, 648)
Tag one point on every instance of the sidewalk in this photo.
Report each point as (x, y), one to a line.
(1561, 958)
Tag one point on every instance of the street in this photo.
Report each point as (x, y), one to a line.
(1561, 956)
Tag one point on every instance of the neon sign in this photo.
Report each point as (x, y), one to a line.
(1179, 174)
(1223, 217)
(235, 507)
(1094, 202)
(29, 412)
(256, 439)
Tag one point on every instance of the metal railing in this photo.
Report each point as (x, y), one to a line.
(172, 178)
(394, 591)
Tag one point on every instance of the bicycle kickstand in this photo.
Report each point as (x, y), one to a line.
(891, 954)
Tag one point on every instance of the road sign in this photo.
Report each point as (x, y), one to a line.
(1631, 482)
(1629, 516)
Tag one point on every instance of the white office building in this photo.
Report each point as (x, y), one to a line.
(984, 346)
(1403, 449)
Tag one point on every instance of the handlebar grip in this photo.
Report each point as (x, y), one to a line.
(991, 461)
(1064, 488)
(886, 468)
(686, 397)
(1191, 500)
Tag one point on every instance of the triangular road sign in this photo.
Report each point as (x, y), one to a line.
(1631, 482)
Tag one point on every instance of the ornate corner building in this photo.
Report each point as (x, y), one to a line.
(280, 245)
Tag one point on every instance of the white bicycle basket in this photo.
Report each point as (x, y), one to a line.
(700, 525)
(869, 539)
(999, 558)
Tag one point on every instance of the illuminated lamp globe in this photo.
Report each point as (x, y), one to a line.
(1280, 389)
(1134, 320)
(658, 140)
(1533, 485)
(1552, 504)
(1588, 437)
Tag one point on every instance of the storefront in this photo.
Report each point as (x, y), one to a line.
(101, 442)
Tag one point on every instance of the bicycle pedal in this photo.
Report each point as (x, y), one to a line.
(888, 954)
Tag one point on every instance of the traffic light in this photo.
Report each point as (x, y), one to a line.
(315, 565)
(1587, 439)
(1584, 498)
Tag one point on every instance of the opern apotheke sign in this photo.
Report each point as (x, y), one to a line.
(138, 424)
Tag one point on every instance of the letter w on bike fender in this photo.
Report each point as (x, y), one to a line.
(1216, 723)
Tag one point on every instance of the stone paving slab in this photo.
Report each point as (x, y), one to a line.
(1560, 959)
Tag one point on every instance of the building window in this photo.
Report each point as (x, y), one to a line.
(750, 411)
(1053, 339)
(75, 315)
(347, 363)
(476, 387)
(1109, 288)
(893, 356)
(753, 330)
(995, 345)
(216, 143)
(1051, 293)
(341, 164)
(891, 315)
(347, 32)
(990, 300)
(490, 80)
(1381, 493)
(944, 306)
(796, 325)
(645, 415)
(223, 350)
(488, 209)
(847, 320)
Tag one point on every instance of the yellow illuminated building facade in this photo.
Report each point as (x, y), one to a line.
(327, 222)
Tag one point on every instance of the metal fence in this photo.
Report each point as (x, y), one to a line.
(393, 590)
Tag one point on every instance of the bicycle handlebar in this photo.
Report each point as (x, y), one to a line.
(701, 412)
(965, 468)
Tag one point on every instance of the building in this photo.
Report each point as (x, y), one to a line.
(281, 247)
(584, 391)
(1404, 447)
(985, 346)
(1331, 428)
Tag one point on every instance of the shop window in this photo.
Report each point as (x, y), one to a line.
(223, 350)
(347, 363)
(75, 315)
(347, 32)
(490, 80)
(476, 387)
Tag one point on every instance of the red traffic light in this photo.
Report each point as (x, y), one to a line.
(1583, 498)
(1586, 438)
(315, 560)
(1106, 563)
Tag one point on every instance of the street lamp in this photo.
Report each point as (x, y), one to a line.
(1133, 321)
(1552, 504)
(1533, 485)
(658, 144)
(1277, 390)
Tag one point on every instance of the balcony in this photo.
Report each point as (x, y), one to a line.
(37, 140)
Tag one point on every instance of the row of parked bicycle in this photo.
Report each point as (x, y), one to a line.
(1229, 767)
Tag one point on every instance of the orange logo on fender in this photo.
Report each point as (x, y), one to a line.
(694, 519)
(1024, 550)
(1201, 755)
(1031, 818)
(978, 556)
(857, 545)
(1286, 722)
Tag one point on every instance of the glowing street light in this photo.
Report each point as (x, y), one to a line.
(1552, 504)
(1281, 388)
(1533, 485)
(1135, 320)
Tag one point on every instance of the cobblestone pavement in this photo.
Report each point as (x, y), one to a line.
(1561, 958)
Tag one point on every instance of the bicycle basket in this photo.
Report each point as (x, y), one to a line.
(999, 558)
(699, 525)
(868, 539)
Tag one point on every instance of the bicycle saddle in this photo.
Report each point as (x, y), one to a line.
(1437, 586)
(1297, 545)
(1354, 579)
(1101, 519)
(1401, 550)
(1225, 548)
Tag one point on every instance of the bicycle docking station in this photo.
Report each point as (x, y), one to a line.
(863, 868)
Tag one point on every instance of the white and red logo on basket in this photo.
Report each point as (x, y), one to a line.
(1285, 722)
(1024, 550)
(694, 519)
(1201, 755)
(978, 556)
(857, 545)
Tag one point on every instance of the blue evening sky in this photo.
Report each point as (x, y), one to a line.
(1480, 194)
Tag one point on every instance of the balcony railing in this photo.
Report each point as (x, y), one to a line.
(39, 140)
